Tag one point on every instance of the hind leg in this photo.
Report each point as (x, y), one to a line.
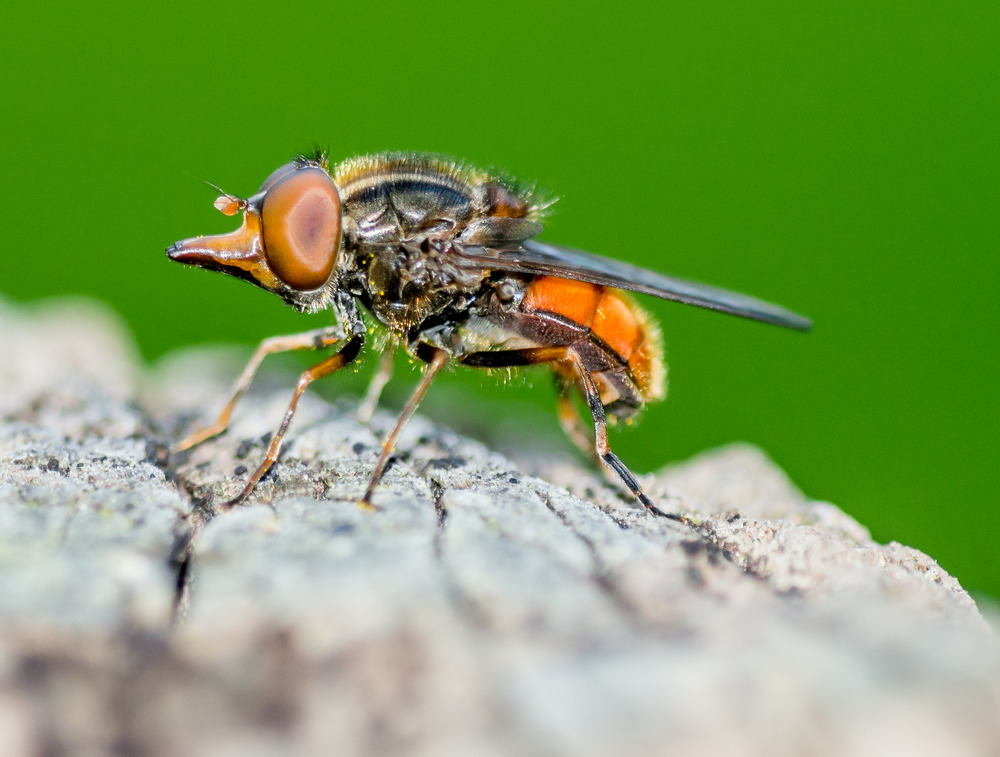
(570, 358)
(570, 420)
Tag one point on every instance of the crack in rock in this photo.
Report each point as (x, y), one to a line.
(600, 572)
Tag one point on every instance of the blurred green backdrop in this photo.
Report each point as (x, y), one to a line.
(838, 158)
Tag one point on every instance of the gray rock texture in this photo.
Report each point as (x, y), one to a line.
(486, 609)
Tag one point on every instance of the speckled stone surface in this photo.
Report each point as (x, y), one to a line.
(488, 607)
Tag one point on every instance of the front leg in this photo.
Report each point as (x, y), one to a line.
(346, 356)
(308, 340)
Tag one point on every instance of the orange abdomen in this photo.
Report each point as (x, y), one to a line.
(614, 320)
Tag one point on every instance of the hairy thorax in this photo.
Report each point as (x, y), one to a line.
(406, 216)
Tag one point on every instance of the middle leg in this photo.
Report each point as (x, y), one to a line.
(438, 359)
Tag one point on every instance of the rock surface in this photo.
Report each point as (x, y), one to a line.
(481, 611)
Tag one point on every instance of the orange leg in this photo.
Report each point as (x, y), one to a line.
(309, 340)
(570, 420)
(334, 363)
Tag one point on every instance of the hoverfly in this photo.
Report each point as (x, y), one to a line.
(444, 257)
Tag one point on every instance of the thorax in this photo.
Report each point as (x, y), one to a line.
(404, 216)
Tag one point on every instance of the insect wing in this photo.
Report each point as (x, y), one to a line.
(536, 257)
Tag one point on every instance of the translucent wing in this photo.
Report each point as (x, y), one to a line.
(537, 257)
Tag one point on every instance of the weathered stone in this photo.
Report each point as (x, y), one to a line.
(482, 610)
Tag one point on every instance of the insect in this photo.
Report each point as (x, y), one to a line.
(444, 257)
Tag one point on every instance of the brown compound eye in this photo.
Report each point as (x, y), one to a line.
(300, 220)
(278, 173)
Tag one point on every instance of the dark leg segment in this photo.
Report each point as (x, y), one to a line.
(334, 363)
(437, 360)
(516, 358)
(308, 340)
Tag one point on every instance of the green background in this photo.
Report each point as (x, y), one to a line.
(838, 158)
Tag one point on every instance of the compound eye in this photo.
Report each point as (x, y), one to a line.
(277, 173)
(300, 221)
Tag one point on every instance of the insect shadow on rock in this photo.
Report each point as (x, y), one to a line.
(444, 257)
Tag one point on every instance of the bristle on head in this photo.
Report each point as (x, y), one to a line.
(318, 154)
